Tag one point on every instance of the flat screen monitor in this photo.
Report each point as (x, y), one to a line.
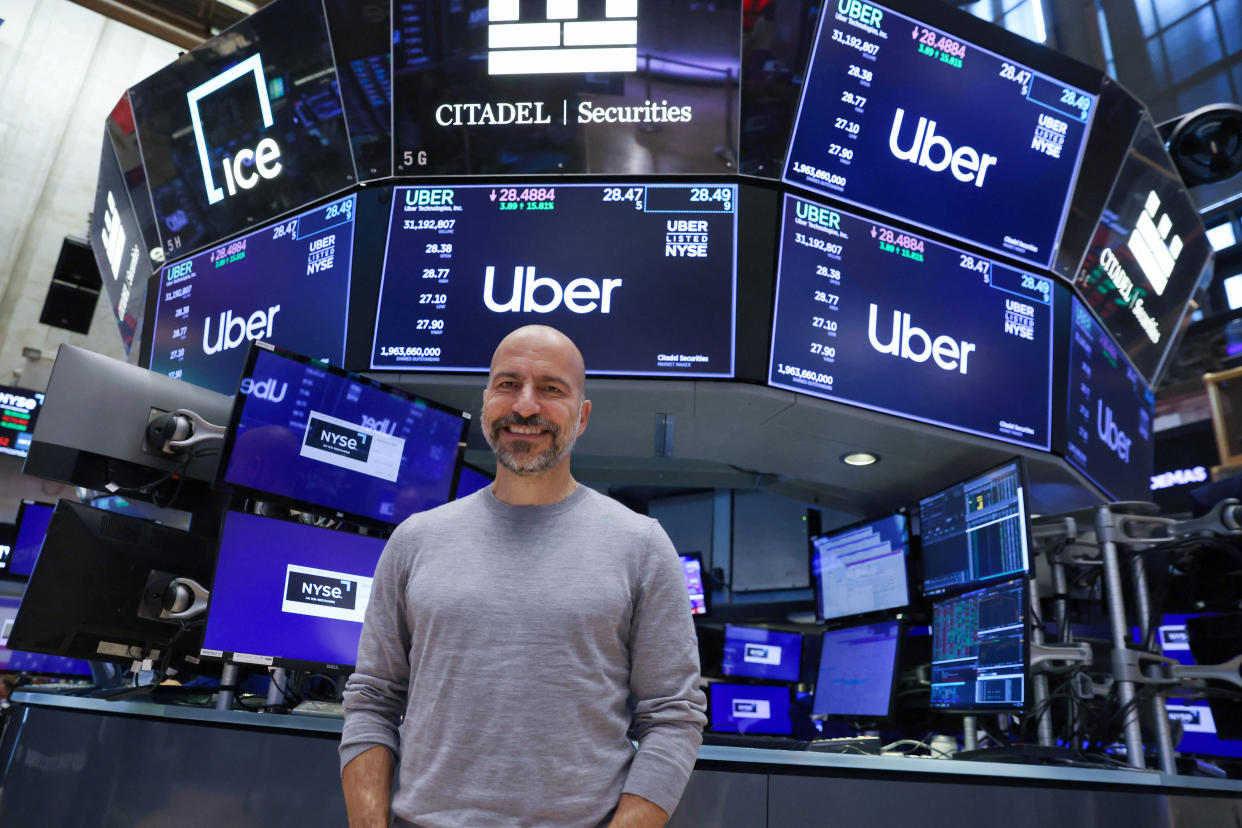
(877, 317)
(857, 671)
(289, 594)
(749, 708)
(287, 284)
(654, 295)
(472, 479)
(754, 652)
(38, 664)
(88, 596)
(861, 568)
(908, 119)
(692, 568)
(32, 521)
(19, 411)
(1108, 435)
(979, 649)
(976, 531)
(318, 436)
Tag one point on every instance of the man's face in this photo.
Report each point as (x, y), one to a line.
(533, 410)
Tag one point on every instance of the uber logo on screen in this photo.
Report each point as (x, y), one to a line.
(761, 654)
(352, 446)
(752, 709)
(325, 594)
(561, 43)
(265, 157)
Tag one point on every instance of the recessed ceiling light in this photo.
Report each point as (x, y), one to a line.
(859, 458)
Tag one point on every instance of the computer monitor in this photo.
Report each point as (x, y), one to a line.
(37, 664)
(749, 708)
(976, 531)
(861, 568)
(471, 479)
(289, 594)
(692, 568)
(979, 651)
(32, 520)
(322, 438)
(88, 596)
(857, 671)
(754, 652)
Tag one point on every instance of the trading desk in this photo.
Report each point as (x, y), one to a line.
(70, 761)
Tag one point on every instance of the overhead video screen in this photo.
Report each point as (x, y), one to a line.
(1147, 255)
(287, 284)
(568, 86)
(1110, 408)
(116, 241)
(652, 293)
(871, 316)
(911, 121)
(246, 127)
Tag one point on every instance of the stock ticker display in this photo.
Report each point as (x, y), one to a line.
(985, 149)
(1109, 416)
(873, 316)
(979, 649)
(287, 284)
(640, 277)
(19, 411)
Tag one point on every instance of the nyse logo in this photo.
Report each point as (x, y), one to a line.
(113, 236)
(232, 331)
(915, 344)
(1113, 437)
(560, 42)
(264, 389)
(265, 157)
(966, 163)
(325, 436)
(580, 295)
(752, 709)
(1153, 246)
(761, 654)
(323, 593)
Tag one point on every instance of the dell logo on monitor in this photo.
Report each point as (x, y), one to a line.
(967, 164)
(264, 158)
(560, 42)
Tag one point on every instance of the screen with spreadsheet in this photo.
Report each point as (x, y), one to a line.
(861, 568)
(856, 668)
(975, 531)
(979, 649)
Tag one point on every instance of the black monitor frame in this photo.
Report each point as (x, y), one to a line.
(733, 682)
(7, 573)
(239, 400)
(855, 623)
(728, 679)
(479, 470)
(878, 614)
(707, 590)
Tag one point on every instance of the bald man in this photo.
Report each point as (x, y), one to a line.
(516, 636)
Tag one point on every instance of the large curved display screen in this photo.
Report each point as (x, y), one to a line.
(875, 317)
(641, 277)
(925, 127)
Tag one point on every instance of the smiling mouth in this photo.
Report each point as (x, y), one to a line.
(525, 431)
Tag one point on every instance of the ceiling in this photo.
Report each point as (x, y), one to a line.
(186, 23)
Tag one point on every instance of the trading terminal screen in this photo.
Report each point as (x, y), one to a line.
(979, 649)
(753, 652)
(856, 668)
(975, 531)
(861, 568)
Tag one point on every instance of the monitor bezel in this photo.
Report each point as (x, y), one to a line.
(477, 469)
(767, 679)
(239, 399)
(7, 573)
(788, 688)
(707, 590)
(872, 613)
(902, 626)
(1024, 481)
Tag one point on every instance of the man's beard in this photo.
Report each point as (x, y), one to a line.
(519, 457)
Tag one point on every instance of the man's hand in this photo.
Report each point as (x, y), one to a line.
(636, 812)
(367, 782)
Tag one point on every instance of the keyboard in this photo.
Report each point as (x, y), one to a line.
(847, 744)
(321, 708)
(755, 740)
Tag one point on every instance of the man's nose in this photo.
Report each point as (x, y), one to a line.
(526, 403)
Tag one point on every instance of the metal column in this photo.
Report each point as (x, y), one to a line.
(1105, 532)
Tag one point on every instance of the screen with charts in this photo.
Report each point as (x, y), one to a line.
(19, 411)
(692, 567)
(749, 708)
(979, 648)
(861, 568)
(856, 670)
(880, 318)
(975, 531)
(754, 652)
(909, 120)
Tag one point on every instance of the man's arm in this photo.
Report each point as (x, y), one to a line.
(367, 781)
(636, 812)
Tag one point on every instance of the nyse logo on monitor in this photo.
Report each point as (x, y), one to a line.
(346, 442)
(752, 709)
(761, 654)
(560, 42)
(247, 166)
(352, 446)
(325, 594)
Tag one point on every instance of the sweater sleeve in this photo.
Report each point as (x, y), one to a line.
(376, 693)
(669, 707)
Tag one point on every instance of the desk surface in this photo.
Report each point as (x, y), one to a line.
(811, 761)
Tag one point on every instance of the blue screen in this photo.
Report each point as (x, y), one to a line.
(30, 532)
(654, 294)
(856, 668)
(289, 591)
(872, 316)
(751, 652)
(979, 649)
(287, 284)
(1110, 407)
(18, 661)
(905, 119)
(748, 708)
(470, 481)
(861, 568)
(316, 437)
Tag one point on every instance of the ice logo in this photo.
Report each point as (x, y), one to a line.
(561, 43)
(1152, 246)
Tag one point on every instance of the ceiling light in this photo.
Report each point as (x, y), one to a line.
(859, 458)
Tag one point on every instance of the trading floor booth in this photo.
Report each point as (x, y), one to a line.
(872, 299)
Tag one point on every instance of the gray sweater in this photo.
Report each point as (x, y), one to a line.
(520, 643)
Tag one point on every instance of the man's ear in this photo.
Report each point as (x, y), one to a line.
(584, 414)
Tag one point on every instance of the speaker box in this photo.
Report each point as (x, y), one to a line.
(71, 297)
